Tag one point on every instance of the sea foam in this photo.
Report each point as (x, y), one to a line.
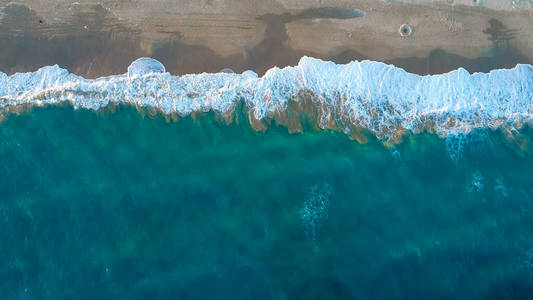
(383, 99)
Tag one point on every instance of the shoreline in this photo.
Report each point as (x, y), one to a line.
(402, 102)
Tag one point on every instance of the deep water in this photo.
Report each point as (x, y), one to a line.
(117, 205)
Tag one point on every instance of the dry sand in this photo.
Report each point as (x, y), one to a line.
(96, 38)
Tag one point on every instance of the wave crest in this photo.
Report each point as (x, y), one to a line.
(381, 98)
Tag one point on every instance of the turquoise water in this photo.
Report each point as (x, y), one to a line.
(107, 205)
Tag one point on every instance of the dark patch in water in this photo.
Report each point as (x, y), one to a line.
(234, 283)
(516, 287)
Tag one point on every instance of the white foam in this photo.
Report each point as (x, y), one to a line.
(145, 65)
(376, 96)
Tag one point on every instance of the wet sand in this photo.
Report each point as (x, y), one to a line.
(95, 40)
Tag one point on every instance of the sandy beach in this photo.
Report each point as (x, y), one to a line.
(97, 38)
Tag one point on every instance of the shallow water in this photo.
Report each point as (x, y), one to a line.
(117, 204)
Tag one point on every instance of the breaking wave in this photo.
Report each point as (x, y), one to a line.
(367, 95)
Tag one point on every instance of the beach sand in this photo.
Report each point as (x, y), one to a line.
(93, 38)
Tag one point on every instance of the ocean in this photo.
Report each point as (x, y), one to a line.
(125, 201)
